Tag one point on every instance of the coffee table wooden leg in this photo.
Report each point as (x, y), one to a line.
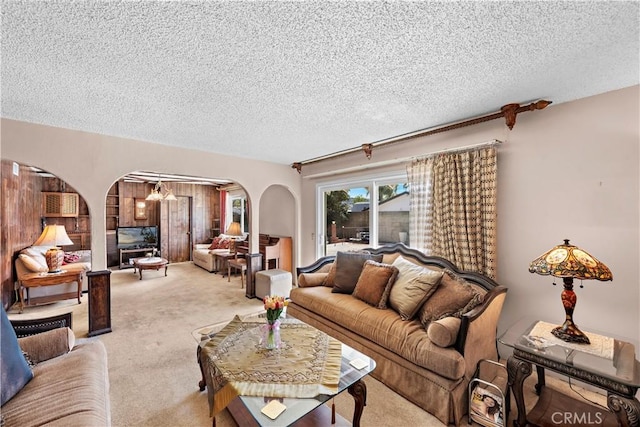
(140, 270)
(359, 392)
(165, 270)
(202, 384)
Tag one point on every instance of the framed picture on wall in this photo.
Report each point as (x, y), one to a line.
(140, 209)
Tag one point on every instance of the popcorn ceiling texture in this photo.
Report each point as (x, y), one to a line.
(289, 81)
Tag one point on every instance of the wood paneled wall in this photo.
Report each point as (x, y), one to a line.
(20, 209)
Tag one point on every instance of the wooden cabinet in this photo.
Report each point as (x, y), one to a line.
(60, 204)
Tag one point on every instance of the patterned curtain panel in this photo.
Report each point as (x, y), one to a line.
(457, 215)
(419, 176)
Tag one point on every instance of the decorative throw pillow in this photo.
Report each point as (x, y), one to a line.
(348, 269)
(415, 284)
(70, 257)
(331, 276)
(375, 282)
(444, 332)
(308, 280)
(453, 298)
(215, 243)
(35, 264)
(15, 372)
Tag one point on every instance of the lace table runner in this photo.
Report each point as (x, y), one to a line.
(306, 364)
(600, 346)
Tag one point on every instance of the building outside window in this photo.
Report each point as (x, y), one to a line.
(347, 220)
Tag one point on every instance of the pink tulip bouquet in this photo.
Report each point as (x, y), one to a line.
(274, 306)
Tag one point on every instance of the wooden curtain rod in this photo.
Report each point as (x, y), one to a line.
(509, 112)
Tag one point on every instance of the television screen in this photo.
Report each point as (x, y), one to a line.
(137, 237)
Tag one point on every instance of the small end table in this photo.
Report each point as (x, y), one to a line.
(618, 375)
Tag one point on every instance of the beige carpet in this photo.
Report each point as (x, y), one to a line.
(152, 350)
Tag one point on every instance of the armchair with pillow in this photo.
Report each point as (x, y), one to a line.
(424, 322)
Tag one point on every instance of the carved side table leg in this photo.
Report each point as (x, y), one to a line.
(541, 379)
(518, 370)
(627, 409)
(359, 392)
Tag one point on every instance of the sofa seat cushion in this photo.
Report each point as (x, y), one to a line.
(72, 389)
(408, 339)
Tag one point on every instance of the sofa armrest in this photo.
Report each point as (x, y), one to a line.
(201, 246)
(477, 335)
(47, 345)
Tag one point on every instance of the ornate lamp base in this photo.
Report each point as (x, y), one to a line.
(55, 258)
(569, 332)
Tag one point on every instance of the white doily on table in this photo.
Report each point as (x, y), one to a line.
(600, 346)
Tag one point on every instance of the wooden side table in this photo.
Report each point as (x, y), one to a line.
(49, 279)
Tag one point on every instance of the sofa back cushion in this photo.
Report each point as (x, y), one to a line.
(374, 283)
(348, 268)
(15, 372)
(453, 298)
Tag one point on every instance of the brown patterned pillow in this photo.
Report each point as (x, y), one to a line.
(453, 298)
(348, 269)
(375, 282)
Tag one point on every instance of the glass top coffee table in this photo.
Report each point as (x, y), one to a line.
(608, 363)
(247, 409)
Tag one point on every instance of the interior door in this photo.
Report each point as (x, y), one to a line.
(179, 230)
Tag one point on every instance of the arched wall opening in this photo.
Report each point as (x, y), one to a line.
(32, 198)
(278, 217)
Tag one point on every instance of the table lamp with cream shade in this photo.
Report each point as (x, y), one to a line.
(54, 236)
(570, 262)
(234, 229)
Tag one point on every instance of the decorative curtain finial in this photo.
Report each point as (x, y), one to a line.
(368, 149)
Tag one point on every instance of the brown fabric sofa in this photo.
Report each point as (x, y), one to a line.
(434, 377)
(70, 384)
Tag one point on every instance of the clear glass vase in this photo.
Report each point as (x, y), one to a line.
(271, 335)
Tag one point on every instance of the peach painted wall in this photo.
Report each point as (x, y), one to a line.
(569, 171)
(91, 163)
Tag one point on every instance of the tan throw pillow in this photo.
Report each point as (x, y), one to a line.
(375, 282)
(454, 297)
(444, 332)
(348, 269)
(330, 279)
(412, 288)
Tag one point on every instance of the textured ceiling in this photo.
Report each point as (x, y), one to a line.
(290, 81)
